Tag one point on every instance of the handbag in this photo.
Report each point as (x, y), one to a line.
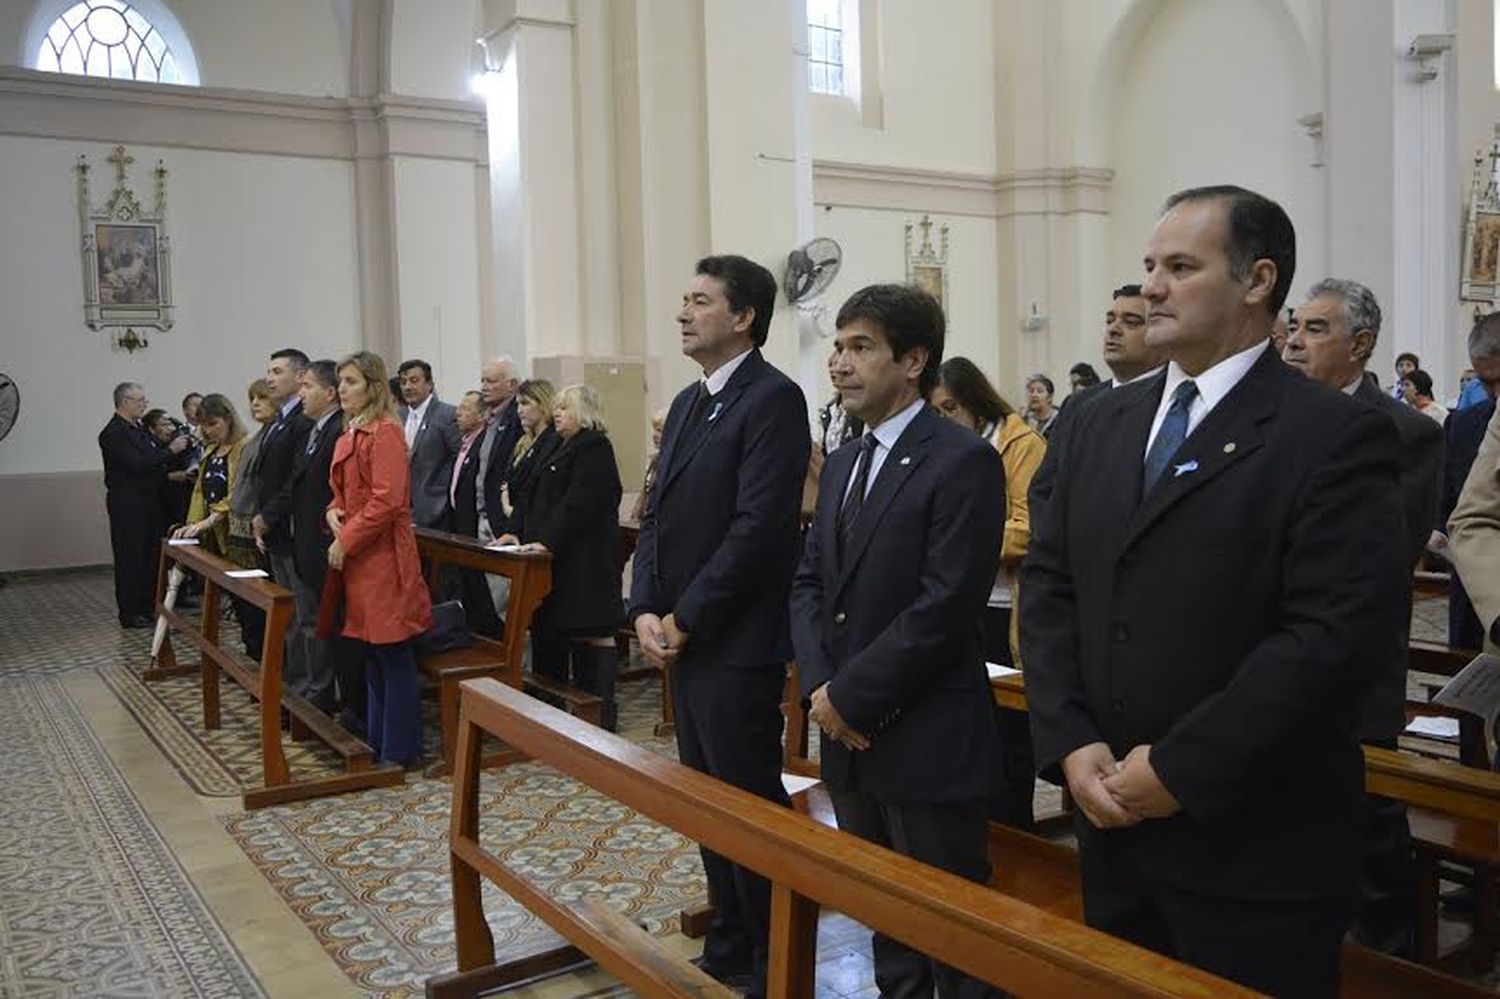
(449, 630)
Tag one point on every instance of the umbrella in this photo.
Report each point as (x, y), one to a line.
(174, 582)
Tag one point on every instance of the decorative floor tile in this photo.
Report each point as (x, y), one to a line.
(92, 903)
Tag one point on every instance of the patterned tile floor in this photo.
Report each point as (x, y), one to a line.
(61, 626)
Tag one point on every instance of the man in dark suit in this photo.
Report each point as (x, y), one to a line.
(310, 495)
(1330, 338)
(432, 441)
(886, 609)
(497, 385)
(718, 543)
(135, 471)
(280, 443)
(1207, 596)
(1463, 432)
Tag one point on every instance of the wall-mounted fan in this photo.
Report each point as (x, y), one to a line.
(10, 405)
(810, 269)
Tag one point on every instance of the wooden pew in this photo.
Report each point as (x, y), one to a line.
(530, 576)
(263, 683)
(987, 934)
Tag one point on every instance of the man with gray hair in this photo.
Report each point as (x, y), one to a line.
(1464, 432)
(1330, 338)
(135, 469)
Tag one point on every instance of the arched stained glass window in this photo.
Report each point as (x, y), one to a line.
(116, 38)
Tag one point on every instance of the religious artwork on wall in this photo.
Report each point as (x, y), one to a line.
(126, 255)
(927, 268)
(1481, 272)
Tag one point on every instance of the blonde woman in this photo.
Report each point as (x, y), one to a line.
(573, 512)
(218, 470)
(535, 400)
(385, 600)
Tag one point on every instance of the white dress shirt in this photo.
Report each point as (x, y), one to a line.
(414, 417)
(1213, 385)
(886, 435)
(716, 381)
(1115, 383)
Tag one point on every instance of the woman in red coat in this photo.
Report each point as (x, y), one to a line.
(385, 601)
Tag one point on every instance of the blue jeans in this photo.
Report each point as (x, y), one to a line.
(393, 710)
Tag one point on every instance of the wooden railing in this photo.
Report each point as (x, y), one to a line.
(530, 575)
(987, 934)
(263, 683)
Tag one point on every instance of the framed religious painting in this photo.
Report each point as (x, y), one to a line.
(127, 272)
(927, 267)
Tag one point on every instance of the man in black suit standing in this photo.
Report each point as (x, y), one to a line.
(502, 428)
(432, 441)
(718, 543)
(1330, 338)
(1463, 432)
(280, 443)
(886, 609)
(469, 417)
(135, 470)
(1208, 594)
(311, 493)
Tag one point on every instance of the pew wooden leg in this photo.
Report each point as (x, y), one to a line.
(448, 720)
(207, 668)
(794, 945)
(273, 758)
(1482, 949)
(1425, 931)
(475, 942)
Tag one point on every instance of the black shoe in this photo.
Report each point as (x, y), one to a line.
(734, 977)
(136, 621)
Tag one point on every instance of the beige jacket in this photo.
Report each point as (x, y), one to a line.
(1474, 531)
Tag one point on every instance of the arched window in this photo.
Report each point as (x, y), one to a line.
(120, 39)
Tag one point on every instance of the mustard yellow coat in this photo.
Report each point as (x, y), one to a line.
(1021, 451)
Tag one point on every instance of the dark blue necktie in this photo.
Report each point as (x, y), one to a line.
(1171, 435)
(855, 500)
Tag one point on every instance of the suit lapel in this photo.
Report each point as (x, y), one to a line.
(1225, 437)
(904, 459)
(691, 439)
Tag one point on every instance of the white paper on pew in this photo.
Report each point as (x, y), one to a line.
(1433, 728)
(1476, 689)
(796, 783)
(180, 542)
(996, 671)
(495, 547)
(247, 574)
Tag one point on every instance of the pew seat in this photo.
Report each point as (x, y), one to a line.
(446, 670)
(1473, 844)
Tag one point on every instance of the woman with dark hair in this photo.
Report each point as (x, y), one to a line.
(181, 470)
(385, 600)
(1082, 376)
(965, 396)
(239, 542)
(1040, 413)
(573, 512)
(1416, 389)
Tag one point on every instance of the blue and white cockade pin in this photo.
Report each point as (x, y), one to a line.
(1185, 468)
(906, 460)
(718, 408)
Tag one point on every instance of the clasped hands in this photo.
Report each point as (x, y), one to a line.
(335, 518)
(1116, 793)
(662, 640)
(829, 720)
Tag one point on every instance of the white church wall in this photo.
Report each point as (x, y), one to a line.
(432, 48)
(262, 257)
(279, 46)
(1211, 94)
(437, 267)
(938, 94)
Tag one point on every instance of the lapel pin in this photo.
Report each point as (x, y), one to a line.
(906, 460)
(718, 408)
(1229, 448)
(1185, 468)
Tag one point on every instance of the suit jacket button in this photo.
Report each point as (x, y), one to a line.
(1119, 631)
(1118, 704)
(838, 618)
